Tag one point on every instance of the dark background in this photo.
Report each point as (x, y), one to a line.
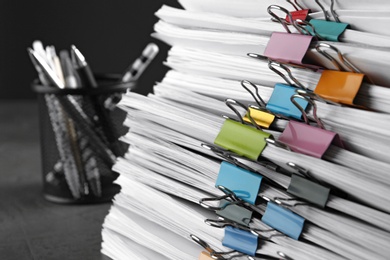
(110, 34)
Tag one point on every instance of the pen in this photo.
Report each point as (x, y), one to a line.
(83, 69)
(63, 138)
(89, 161)
(135, 70)
(100, 114)
(73, 109)
(41, 75)
(68, 123)
(70, 77)
(45, 68)
(54, 62)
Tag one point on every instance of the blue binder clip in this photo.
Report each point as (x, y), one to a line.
(240, 240)
(243, 183)
(280, 103)
(283, 220)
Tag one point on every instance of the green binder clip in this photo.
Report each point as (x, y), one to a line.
(240, 138)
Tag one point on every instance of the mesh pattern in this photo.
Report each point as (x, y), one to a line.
(56, 186)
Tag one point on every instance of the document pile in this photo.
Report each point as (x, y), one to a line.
(268, 138)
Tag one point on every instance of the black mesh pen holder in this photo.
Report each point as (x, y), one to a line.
(79, 131)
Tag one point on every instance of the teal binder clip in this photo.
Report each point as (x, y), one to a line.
(232, 212)
(283, 220)
(327, 30)
(243, 183)
(308, 190)
(240, 240)
(280, 103)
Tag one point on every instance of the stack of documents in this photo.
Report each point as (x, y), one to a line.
(243, 152)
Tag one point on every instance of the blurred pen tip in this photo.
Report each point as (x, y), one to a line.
(37, 44)
(152, 46)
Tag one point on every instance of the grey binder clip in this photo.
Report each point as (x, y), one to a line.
(305, 188)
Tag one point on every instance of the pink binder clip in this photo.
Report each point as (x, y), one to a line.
(279, 46)
(307, 139)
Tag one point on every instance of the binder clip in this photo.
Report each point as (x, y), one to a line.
(240, 240)
(234, 213)
(229, 197)
(305, 186)
(280, 102)
(243, 183)
(298, 14)
(205, 256)
(308, 190)
(338, 86)
(251, 141)
(283, 220)
(333, 12)
(305, 138)
(214, 254)
(259, 114)
(326, 30)
(279, 46)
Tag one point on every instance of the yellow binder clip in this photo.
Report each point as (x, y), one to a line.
(259, 114)
(262, 118)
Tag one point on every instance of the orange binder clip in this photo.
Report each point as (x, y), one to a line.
(205, 256)
(338, 86)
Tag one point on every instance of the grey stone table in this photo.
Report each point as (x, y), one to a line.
(30, 226)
